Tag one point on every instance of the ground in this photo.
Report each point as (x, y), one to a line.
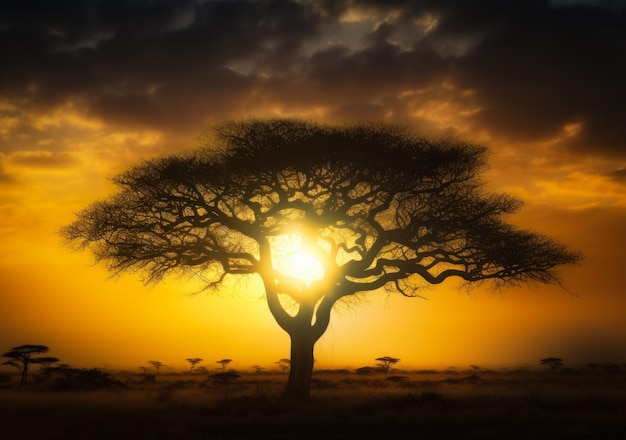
(472, 404)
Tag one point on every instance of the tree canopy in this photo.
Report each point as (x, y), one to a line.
(377, 205)
(21, 357)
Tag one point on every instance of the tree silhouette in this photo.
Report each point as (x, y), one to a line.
(553, 363)
(193, 362)
(378, 206)
(156, 365)
(224, 362)
(45, 365)
(386, 362)
(22, 356)
(284, 364)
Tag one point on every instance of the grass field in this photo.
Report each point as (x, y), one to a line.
(474, 404)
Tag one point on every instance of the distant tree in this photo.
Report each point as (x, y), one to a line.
(224, 362)
(553, 363)
(193, 362)
(45, 365)
(87, 380)
(258, 369)
(69, 372)
(284, 364)
(609, 367)
(386, 362)
(376, 207)
(593, 365)
(22, 356)
(364, 370)
(156, 365)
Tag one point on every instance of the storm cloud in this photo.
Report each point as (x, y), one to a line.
(521, 70)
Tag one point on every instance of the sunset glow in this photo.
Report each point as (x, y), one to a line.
(289, 258)
(87, 94)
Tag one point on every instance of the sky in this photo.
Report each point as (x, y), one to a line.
(90, 88)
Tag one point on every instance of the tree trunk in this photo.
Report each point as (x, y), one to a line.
(301, 368)
(24, 375)
(304, 331)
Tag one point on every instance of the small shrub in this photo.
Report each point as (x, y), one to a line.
(166, 393)
(322, 384)
(365, 370)
(87, 380)
(148, 378)
(4, 379)
(398, 379)
(225, 377)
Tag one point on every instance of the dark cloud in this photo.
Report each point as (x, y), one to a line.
(343, 76)
(135, 61)
(42, 159)
(6, 178)
(534, 66)
(543, 68)
(356, 111)
(618, 175)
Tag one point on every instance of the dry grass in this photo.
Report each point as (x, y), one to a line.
(344, 405)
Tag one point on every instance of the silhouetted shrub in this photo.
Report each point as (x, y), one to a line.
(87, 380)
(398, 379)
(149, 378)
(365, 370)
(225, 377)
(322, 384)
(610, 367)
(166, 393)
(354, 383)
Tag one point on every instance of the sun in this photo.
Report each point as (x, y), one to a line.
(291, 259)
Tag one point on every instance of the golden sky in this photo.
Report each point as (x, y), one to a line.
(90, 88)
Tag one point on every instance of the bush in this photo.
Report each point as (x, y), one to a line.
(225, 377)
(87, 380)
(365, 370)
(398, 379)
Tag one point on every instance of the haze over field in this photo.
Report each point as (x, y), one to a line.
(89, 88)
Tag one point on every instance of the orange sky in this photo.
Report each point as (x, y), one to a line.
(88, 92)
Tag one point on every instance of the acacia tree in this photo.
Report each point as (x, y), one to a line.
(378, 206)
(386, 362)
(156, 365)
(193, 362)
(224, 362)
(21, 357)
(45, 365)
(553, 363)
(284, 364)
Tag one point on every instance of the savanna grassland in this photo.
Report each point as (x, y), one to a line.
(461, 404)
